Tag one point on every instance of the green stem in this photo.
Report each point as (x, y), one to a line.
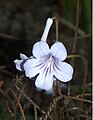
(56, 29)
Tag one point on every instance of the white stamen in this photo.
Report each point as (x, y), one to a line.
(50, 61)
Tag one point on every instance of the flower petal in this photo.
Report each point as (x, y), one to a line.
(58, 50)
(63, 71)
(32, 72)
(33, 66)
(18, 64)
(30, 63)
(48, 83)
(44, 80)
(23, 57)
(40, 49)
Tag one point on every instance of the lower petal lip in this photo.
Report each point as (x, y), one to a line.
(62, 74)
(45, 79)
(65, 70)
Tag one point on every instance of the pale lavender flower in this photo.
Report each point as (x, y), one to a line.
(18, 63)
(47, 62)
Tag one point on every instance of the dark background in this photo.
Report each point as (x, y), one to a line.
(21, 25)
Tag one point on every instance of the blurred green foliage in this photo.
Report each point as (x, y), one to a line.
(86, 15)
(69, 12)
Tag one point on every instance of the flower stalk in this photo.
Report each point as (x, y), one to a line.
(56, 21)
(46, 30)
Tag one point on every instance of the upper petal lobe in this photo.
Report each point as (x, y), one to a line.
(58, 50)
(40, 49)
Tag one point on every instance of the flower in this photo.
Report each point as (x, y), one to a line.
(19, 63)
(47, 63)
